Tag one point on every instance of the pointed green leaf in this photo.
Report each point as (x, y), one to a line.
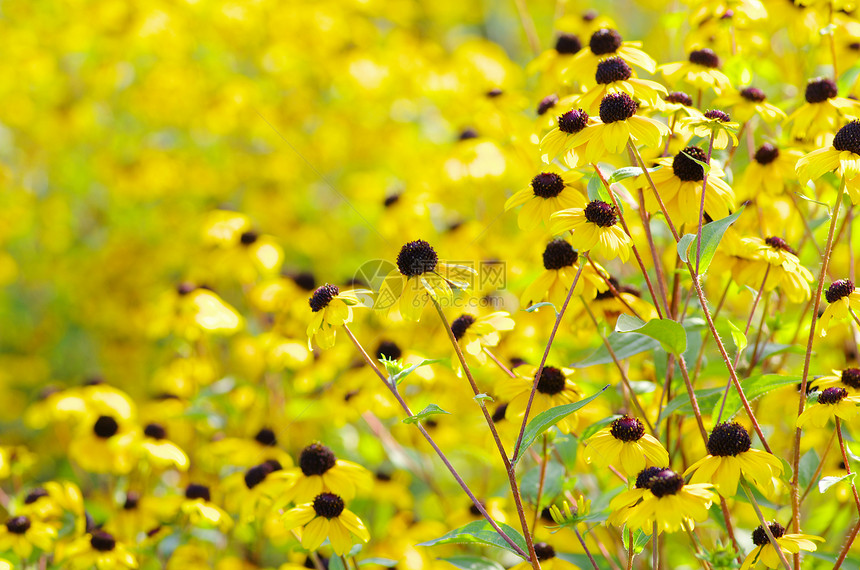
(623, 345)
(628, 172)
(684, 245)
(827, 482)
(712, 234)
(400, 376)
(670, 334)
(480, 532)
(481, 398)
(431, 410)
(754, 386)
(537, 306)
(738, 337)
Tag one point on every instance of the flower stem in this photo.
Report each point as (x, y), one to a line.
(845, 461)
(585, 548)
(764, 525)
(655, 544)
(439, 452)
(541, 481)
(499, 363)
(702, 205)
(844, 552)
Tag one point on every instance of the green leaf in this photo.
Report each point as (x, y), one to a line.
(597, 426)
(640, 539)
(596, 190)
(400, 376)
(681, 404)
(431, 410)
(712, 234)
(582, 561)
(754, 387)
(473, 563)
(704, 165)
(670, 334)
(827, 482)
(536, 306)
(684, 245)
(545, 420)
(628, 172)
(848, 78)
(481, 398)
(530, 483)
(624, 346)
(738, 336)
(335, 563)
(387, 562)
(480, 532)
(807, 467)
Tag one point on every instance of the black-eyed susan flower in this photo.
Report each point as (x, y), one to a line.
(594, 228)
(53, 502)
(713, 123)
(421, 276)
(661, 497)
(823, 111)
(617, 125)
(160, 452)
(106, 444)
(547, 193)
(843, 299)
(677, 104)
(556, 59)
(319, 471)
(476, 333)
(548, 560)
(832, 403)
(198, 510)
(22, 535)
(604, 44)
(769, 172)
(842, 156)
(679, 183)
(561, 263)
(730, 456)
(849, 379)
(625, 445)
(558, 141)
(765, 554)
(774, 256)
(748, 103)
(701, 70)
(331, 309)
(326, 517)
(613, 75)
(193, 312)
(98, 550)
(254, 492)
(607, 306)
(554, 388)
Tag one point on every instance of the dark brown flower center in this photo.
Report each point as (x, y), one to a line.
(18, 525)
(102, 541)
(328, 505)
(35, 495)
(779, 243)
(551, 381)
(568, 44)
(643, 479)
(558, 254)
(499, 413)
(759, 536)
(248, 238)
(105, 427)
(612, 70)
(766, 154)
(600, 213)
(851, 377)
(705, 57)
(666, 482)
(266, 437)
(416, 258)
(627, 429)
(316, 459)
(753, 94)
(718, 115)
(544, 551)
(832, 396)
(547, 185)
(547, 103)
(197, 491)
(573, 121)
(679, 97)
(839, 289)
(688, 169)
(848, 138)
(820, 90)
(155, 431)
(389, 350)
(132, 499)
(605, 41)
(322, 297)
(257, 474)
(617, 107)
(461, 324)
(728, 440)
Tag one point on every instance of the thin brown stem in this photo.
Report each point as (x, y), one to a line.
(541, 481)
(764, 525)
(845, 461)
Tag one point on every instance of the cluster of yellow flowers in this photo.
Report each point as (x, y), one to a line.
(391, 284)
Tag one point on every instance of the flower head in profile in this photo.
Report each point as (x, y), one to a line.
(626, 445)
(475, 334)
(701, 70)
(822, 112)
(661, 497)
(843, 299)
(320, 471)
(849, 379)
(769, 172)
(421, 276)
(748, 103)
(554, 61)
(604, 44)
(731, 456)
(326, 517)
(331, 309)
(775, 257)
(677, 104)
(614, 75)
(842, 156)
(713, 123)
(618, 124)
(554, 388)
(100, 550)
(765, 554)
(547, 193)
(832, 403)
(595, 228)
(198, 510)
(23, 534)
(559, 140)
(561, 263)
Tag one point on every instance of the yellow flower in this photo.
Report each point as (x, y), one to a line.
(554, 61)
(420, 276)
(749, 102)
(561, 263)
(843, 156)
(729, 457)
(832, 403)
(661, 497)
(848, 378)
(701, 71)
(331, 309)
(765, 553)
(105, 445)
(615, 76)
(603, 44)
(822, 112)
(560, 139)
(769, 172)
(618, 124)
(843, 298)
(198, 509)
(548, 192)
(553, 389)
(785, 271)
(626, 445)
(712, 123)
(326, 517)
(22, 535)
(159, 451)
(98, 550)
(319, 471)
(548, 560)
(473, 334)
(595, 229)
